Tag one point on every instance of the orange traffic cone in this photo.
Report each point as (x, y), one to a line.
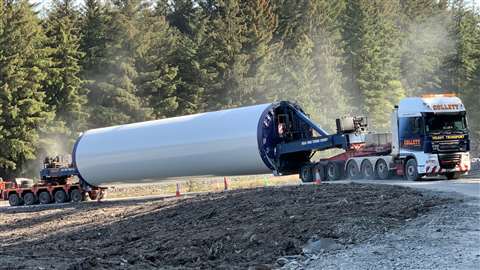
(177, 193)
(225, 184)
(318, 179)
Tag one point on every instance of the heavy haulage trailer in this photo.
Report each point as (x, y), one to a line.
(58, 184)
(429, 136)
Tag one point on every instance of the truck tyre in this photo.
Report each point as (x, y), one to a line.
(353, 172)
(76, 196)
(453, 175)
(381, 170)
(29, 198)
(411, 171)
(60, 196)
(367, 170)
(306, 174)
(44, 197)
(333, 171)
(14, 199)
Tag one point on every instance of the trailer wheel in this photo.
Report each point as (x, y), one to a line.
(333, 171)
(76, 196)
(381, 170)
(14, 199)
(306, 174)
(44, 197)
(411, 172)
(352, 170)
(453, 175)
(29, 198)
(60, 196)
(367, 170)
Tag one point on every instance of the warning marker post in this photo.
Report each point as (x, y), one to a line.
(225, 184)
(177, 193)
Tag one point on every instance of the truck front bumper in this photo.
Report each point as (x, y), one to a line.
(455, 162)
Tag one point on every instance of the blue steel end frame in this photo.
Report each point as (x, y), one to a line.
(307, 120)
(323, 142)
(316, 143)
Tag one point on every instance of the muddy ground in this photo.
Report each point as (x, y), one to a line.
(236, 229)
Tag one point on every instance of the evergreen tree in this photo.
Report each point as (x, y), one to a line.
(194, 77)
(114, 96)
(158, 76)
(351, 41)
(462, 69)
(259, 49)
(375, 53)
(93, 42)
(183, 15)
(313, 57)
(22, 63)
(190, 57)
(93, 25)
(222, 53)
(425, 45)
(64, 87)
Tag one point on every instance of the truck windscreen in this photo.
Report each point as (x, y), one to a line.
(439, 123)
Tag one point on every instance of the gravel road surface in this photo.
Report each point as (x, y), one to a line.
(448, 237)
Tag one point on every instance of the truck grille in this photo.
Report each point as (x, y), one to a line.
(449, 146)
(449, 161)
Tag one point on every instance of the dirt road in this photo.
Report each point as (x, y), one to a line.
(238, 229)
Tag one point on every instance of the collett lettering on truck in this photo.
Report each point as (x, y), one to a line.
(411, 142)
(442, 107)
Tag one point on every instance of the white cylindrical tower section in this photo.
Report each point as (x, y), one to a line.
(215, 143)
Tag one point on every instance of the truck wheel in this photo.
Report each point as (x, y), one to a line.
(76, 196)
(367, 169)
(14, 199)
(411, 171)
(453, 175)
(44, 197)
(306, 174)
(60, 196)
(381, 170)
(333, 171)
(29, 198)
(352, 170)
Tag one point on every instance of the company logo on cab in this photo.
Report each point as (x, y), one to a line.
(443, 107)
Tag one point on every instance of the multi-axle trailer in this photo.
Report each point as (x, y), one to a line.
(58, 184)
(429, 136)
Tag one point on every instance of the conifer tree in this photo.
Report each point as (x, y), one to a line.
(222, 53)
(190, 56)
(23, 61)
(462, 69)
(425, 45)
(93, 24)
(259, 49)
(158, 77)
(312, 57)
(375, 53)
(114, 96)
(64, 87)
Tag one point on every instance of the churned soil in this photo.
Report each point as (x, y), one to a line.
(238, 229)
